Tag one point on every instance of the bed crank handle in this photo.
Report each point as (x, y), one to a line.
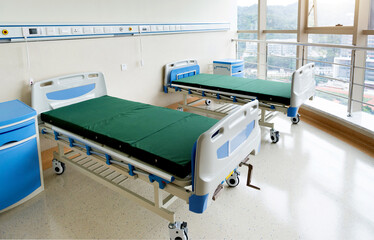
(249, 176)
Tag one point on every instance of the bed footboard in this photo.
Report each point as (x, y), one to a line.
(302, 87)
(221, 149)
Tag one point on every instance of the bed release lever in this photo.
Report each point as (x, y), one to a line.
(249, 176)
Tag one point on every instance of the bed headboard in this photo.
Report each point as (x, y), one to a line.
(179, 69)
(62, 91)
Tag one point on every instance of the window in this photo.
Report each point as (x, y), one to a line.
(371, 17)
(331, 13)
(247, 14)
(330, 39)
(247, 51)
(333, 64)
(368, 97)
(281, 14)
(332, 67)
(281, 61)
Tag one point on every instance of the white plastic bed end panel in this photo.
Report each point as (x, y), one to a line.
(303, 85)
(63, 91)
(210, 169)
(175, 65)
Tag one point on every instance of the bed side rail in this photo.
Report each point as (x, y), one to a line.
(303, 85)
(62, 91)
(183, 66)
(221, 149)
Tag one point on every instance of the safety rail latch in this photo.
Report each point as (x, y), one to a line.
(161, 182)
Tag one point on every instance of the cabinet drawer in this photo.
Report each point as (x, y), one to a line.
(17, 132)
(19, 172)
(237, 68)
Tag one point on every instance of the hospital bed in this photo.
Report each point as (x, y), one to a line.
(113, 141)
(229, 92)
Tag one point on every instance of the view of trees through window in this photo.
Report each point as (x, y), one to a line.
(280, 15)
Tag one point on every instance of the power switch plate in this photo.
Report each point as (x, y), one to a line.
(123, 67)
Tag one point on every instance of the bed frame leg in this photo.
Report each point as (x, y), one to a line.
(60, 149)
(185, 102)
(157, 195)
(178, 230)
(262, 120)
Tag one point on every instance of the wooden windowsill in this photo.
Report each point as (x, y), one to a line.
(349, 134)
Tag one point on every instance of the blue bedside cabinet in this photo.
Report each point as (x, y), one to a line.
(230, 67)
(21, 176)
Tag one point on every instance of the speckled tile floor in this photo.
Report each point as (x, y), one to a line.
(313, 186)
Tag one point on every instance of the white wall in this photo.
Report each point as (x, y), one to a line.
(110, 11)
(54, 58)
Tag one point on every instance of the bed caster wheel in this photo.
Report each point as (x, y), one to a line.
(274, 136)
(180, 109)
(58, 166)
(208, 102)
(178, 231)
(233, 180)
(296, 120)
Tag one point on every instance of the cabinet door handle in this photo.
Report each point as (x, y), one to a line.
(13, 144)
(8, 143)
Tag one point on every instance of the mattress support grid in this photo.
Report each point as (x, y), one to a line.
(78, 158)
(202, 111)
(91, 164)
(70, 154)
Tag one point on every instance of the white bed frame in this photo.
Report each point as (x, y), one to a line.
(302, 89)
(111, 167)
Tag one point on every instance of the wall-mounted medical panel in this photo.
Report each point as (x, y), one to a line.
(16, 33)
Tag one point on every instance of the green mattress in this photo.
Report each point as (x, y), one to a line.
(159, 136)
(264, 90)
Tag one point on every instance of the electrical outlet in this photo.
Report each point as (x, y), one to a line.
(123, 67)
